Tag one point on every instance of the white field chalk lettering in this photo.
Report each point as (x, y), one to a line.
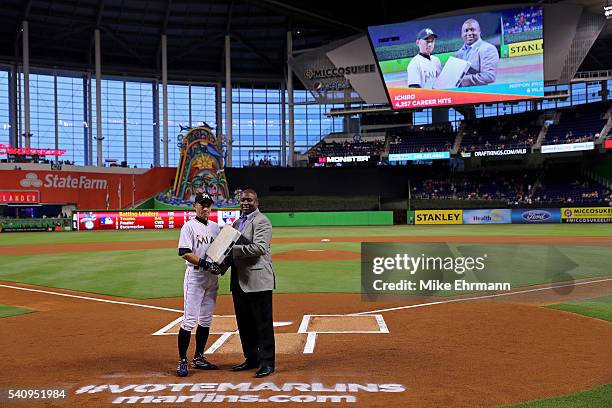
(213, 392)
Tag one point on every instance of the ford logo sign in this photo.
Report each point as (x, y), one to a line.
(536, 216)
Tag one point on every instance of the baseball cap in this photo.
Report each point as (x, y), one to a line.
(204, 199)
(426, 32)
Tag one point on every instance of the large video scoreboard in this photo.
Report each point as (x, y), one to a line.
(481, 57)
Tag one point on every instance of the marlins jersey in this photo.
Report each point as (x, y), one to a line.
(197, 236)
(423, 71)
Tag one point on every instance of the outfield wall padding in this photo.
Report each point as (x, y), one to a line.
(302, 219)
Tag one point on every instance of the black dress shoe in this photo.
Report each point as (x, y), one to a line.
(264, 371)
(247, 365)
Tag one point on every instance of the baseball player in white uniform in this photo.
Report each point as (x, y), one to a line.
(200, 285)
(424, 68)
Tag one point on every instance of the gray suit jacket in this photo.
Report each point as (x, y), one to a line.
(253, 257)
(483, 58)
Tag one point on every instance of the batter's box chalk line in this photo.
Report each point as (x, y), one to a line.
(308, 326)
(307, 321)
(225, 335)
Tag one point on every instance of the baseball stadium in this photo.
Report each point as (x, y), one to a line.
(447, 244)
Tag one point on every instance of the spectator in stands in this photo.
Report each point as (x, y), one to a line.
(482, 56)
(424, 68)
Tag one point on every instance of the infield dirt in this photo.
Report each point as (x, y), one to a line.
(466, 354)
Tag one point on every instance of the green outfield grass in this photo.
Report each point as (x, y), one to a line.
(7, 311)
(134, 274)
(599, 308)
(156, 273)
(598, 397)
(45, 238)
(159, 272)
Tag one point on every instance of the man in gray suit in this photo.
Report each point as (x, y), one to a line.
(252, 281)
(482, 56)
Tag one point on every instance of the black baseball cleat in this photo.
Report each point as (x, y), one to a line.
(200, 362)
(247, 365)
(264, 371)
(181, 369)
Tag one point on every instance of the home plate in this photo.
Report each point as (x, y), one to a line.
(285, 343)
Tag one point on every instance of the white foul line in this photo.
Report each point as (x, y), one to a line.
(478, 297)
(94, 299)
(167, 327)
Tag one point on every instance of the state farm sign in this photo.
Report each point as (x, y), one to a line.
(19, 197)
(87, 189)
(56, 181)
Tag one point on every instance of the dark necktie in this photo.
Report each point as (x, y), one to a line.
(243, 219)
(467, 51)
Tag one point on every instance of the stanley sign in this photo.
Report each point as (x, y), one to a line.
(525, 48)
